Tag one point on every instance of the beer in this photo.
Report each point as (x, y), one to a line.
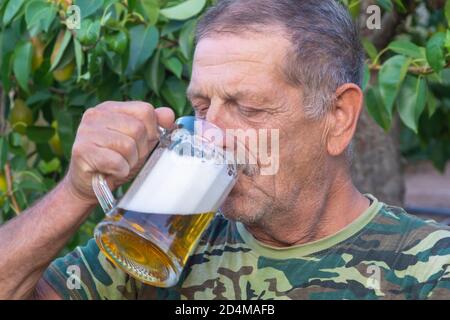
(153, 246)
(156, 225)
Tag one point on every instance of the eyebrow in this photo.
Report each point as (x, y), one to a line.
(238, 95)
(192, 94)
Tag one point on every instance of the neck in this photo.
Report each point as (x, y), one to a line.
(317, 215)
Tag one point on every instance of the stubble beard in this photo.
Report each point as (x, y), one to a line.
(260, 213)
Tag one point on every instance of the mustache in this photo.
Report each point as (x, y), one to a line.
(246, 161)
(250, 170)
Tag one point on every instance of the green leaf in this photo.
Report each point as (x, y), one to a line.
(184, 10)
(62, 49)
(79, 57)
(376, 108)
(30, 180)
(66, 131)
(438, 156)
(10, 37)
(155, 73)
(39, 96)
(117, 42)
(407, 48)
(78, 98)
(11, 10)
(354, 7)
(150, 10)
(89, 32)
(143, 41)
(386, 5)
(88, 7)
(68, 56)
(431, 103)
(445, 77)
(15, 139)
(447, 40)
(412, 100)
(6, 71)
(40, 134)
(447, 11)
(390, 78)
(22, 64)
(366, 77)
(435, 51)
(116, 62)
(138, 90)
(370, 49)
(174, 92)
(186, 40)
(39, 16)
(171, 27)
(400, 6)
(47, 167)
(15, 147)
(44, 151)
(174, 65)
(3, 151)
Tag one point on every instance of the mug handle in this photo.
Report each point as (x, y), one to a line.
(103, 192)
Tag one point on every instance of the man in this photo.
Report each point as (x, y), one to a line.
(303, 233)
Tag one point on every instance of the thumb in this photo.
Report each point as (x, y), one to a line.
(165, 117)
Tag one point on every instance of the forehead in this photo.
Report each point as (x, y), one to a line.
(245, 59)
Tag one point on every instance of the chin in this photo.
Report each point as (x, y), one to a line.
(233, 206)
(245, 203)
(240, 208)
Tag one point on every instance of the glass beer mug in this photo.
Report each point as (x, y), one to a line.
(151, 231)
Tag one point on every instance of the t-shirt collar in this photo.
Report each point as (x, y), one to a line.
(315, 246)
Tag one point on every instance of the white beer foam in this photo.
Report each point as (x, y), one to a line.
(178, 185)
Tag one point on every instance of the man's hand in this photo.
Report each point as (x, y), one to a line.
(115, 139)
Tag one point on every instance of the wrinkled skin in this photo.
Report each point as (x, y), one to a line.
(237, 82)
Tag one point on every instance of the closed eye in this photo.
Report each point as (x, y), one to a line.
(200, 112)
(246, 111)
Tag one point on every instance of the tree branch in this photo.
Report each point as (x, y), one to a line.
(9, 184)
(2, 113)
(415, 70)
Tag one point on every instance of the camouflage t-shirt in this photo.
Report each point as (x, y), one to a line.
(384, 254)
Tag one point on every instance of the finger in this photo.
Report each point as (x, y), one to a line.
(97, 159)
(113, 140)
(128, 125)
(137, 109)
(165, 117)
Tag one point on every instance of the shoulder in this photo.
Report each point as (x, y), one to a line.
(413, 255)
(416, 232)
(420, 248)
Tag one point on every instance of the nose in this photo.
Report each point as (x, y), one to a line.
(215, 114)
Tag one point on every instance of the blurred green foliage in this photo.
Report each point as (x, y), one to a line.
(411, 77)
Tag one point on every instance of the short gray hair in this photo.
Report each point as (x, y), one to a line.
(326, 49)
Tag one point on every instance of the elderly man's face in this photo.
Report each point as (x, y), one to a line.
(237, 82)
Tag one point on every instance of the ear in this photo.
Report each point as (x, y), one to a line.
(343, 118)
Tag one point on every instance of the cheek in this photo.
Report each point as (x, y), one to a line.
(303, 145)
(300, 158)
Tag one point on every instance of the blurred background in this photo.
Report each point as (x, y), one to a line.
(58, 59)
